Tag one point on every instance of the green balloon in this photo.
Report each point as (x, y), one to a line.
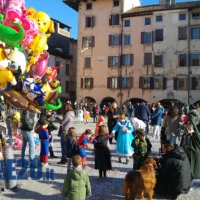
(49, 106)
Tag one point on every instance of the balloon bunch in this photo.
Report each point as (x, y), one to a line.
(26, 80)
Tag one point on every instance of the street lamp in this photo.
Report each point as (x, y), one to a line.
(83, 90)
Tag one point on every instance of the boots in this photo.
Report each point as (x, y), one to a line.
(52, 153)
(120, 160)
(62, 161)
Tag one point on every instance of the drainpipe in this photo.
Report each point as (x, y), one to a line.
(188, 63)
(121, 57)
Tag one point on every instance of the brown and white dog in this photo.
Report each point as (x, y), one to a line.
(138, 182)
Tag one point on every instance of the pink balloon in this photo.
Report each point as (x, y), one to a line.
(39, 69)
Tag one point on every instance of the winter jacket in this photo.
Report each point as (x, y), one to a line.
(71, 147)
(130, 108)
(142, 112)
(194, 118)
(174, 177)
(156, 117)
(27, 120)
(76, 185)
(68, 120)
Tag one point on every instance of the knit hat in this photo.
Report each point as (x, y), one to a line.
(140, 132)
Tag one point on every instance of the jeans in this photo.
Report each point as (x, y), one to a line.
(94, 117)
(9, 131)
(147, 127)
(129, 115)
(63, 145)
(69, 160)
(27, 137)
(172, 138)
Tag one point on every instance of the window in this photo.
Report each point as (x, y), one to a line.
(71, 72)
(182, 33)
(67, 69)
(88, 6)
(195, 15)
(158, 61)
(146, 82)
(158, 18)
(113, 83)
(147, 58)
(127, 39)
(147, 21)
(195, 83)
(67, 87)
(158, 83)
(126, 23)
(195, 33)
(115, 3)
(194, 59)
(125, 82)
(86, 83)
(146, 37)
(89, 22)
(182, 60)
(181, 83)
(113, 61)
(159, 35)
(114, 40)
(114, 20)
(127, 59)
(88, 42)
(182, 16)
(87, 62)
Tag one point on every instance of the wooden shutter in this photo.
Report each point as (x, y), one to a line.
(110, 40)
(117, 19)
(92, 41)
(108, 82)
(141, 82)
(187, 83)
(147, 58)
(86, 22)
(182, 33)
(93, 22)
(151, 83)
(152, 36)
(81, 83)
(150, 58)
(91, 83)
(142, 37)
(87, 62)
(159, 34)
(164, 83)
(194, 83)
(131, 59)
(131, 82)
(110, 20)
(175, 83)
(109, 61)
(119, 84)
(120, 39)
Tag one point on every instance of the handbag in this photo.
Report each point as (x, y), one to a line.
(59, 131)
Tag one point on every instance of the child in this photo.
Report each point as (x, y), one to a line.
(102, 152)
(99, 123)
(82, 144)
(44, 140)
(142, 148)
(80, 115)
(124, 139)
(86, 116)
(71, 146)
(76, 184)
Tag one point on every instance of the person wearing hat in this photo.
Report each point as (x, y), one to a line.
(142, 148)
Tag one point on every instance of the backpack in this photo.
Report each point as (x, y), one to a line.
(97, 111)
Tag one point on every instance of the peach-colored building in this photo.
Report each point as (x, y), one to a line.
(127, 51)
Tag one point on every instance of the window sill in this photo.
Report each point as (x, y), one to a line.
(182, 39)
(113, 88)
(115, 46)
(115, 25)
(158, 66)
(126, 65)
(113, 67)
(127, 45)
(148, 43)
(144, 65)
(87, 68)
(158, 40)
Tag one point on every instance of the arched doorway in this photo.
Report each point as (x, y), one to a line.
(166, 103)
(106, 101)
(134, 101)
(88, 100)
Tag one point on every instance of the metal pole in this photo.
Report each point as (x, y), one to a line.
(83, 91)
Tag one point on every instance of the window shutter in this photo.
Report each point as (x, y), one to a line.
(142, 37)
(185, 59)
(187, 83)
(86, 22)
(93, 22)
(109, 61)
(110, 21)
(152, 36)
(161, 60)
(87, 62)
(81, 83)
(119, 61)
(151, 83)
(175, 83)
(141, 82)
(131, 82)
(131, 59)
(120, 39)
(179, 33)
(110, 40)
(161, 34)
(91, 83)
(93, 41)
(164, 83)
(145, 58)
(108, 82)
(194, 83)
(150, 58)
(119, 82)
(117, 19)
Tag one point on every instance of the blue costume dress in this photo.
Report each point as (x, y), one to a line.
(44, 147)
(124, 139)
(82, 144)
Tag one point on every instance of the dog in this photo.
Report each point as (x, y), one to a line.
(139, 181)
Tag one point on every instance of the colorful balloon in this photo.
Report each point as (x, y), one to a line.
(49, 106)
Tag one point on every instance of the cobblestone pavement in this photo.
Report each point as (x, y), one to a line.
(109, 189)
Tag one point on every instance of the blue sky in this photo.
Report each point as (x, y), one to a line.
(65, 14)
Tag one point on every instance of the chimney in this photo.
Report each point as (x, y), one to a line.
(168, 3)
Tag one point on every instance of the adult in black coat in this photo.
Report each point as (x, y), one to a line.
(174, 176)
(113, 113)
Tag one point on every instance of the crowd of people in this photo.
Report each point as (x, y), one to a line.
(132, 140)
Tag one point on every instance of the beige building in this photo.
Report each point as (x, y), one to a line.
(127, 51)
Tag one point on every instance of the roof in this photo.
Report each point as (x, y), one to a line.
(146, 10)
(62, 25)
